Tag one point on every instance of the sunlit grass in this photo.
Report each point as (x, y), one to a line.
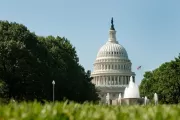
(74, 111)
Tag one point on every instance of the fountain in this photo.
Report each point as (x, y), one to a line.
(145, 100)
(119, 99)
(155, 98)
(132, 91)
(131, 94)
(108, 99)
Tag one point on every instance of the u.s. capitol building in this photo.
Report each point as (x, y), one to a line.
(112, 68)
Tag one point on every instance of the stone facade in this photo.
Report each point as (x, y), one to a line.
(112, 68)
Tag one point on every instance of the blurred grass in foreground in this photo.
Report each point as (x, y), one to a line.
(87, 111)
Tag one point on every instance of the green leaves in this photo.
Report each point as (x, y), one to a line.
(87, 111)
(29, 63)
(165, 81)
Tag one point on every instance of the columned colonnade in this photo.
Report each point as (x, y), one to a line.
(111, 80)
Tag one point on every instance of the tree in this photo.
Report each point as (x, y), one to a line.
(165, 81)
(3, 90)
(22, 64)
(29, 64)
(72, 82)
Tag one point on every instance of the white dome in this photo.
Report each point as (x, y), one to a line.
(112, 49)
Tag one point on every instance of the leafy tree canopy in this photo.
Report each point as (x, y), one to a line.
(29, 63)
(165, 81)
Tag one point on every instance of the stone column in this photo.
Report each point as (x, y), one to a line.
(107, 80)
(104, 82)
(98, 80)
(123, 80)
(114, 80)
(101, 80)
(110, 80)
(127, 80)
(118, 80)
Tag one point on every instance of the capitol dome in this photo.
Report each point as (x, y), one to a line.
(112, 67)
(112, 50)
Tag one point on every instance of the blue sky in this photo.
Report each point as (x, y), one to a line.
(148, 29)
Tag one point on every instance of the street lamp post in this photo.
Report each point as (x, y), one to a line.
(53, 82)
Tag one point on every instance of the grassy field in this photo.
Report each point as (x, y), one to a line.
(73, 111)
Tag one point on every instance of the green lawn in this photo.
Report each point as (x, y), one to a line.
(73, 111)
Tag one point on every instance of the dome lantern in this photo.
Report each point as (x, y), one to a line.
(112, 33)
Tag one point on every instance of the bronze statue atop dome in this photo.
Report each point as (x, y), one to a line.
(112, 25)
